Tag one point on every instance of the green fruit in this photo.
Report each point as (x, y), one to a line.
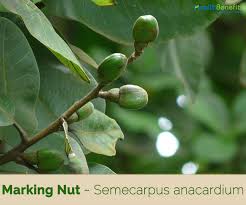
(49, 160)
(85, 111)
(132, 97)
(112, 67)
(145, 29)
(73, 118)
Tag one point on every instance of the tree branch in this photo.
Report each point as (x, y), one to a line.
(54, 126)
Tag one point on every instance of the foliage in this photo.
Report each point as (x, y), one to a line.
(52, 64)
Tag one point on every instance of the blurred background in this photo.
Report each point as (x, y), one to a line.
(179, 131)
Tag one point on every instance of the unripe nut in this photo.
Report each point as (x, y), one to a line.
(145, 29)
(132, 97)
(85, 111)
(49, 160)
(112, 67)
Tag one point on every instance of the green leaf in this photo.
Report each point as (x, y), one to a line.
(188, 58)
(211, 110)
(40, 28)
(10, 136)
(19, 75)
(137, 122)
(243, 70)
(231, 2)
(104, 2)
(211, 148)
(239, 113)
(99, 169)
(13, 168)
(7, 111)
(243, 8)
(98, 133)
(59, 90)
(77, 150)
(175, 17)
(2, 8)
(36, 1)
(84, 57)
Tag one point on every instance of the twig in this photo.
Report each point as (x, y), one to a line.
(22, 133)
(54, 126)
(133, 57)
(139, 48)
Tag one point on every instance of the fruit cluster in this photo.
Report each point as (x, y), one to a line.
(145, 31)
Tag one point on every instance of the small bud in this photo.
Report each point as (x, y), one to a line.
(132, 97)
(73, 118)
(145, 30)
(49, 160)
(85, 111)
(112, 67)
(74, 164)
